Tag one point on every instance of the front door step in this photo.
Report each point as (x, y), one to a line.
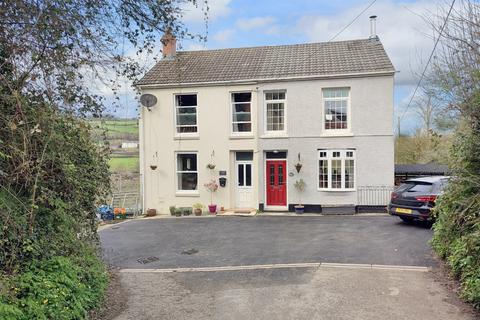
(243, 212)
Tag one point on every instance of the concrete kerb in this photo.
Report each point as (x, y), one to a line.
(262, 214)
(315, 265)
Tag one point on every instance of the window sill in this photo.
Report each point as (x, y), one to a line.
(234, 136)
(187, 194)
(273, 135)
(187, 137)
(337, 190)
(337, 134)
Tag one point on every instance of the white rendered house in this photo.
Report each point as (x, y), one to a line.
(258, 114)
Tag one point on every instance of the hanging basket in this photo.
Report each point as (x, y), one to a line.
(211, 166)
(298, 167)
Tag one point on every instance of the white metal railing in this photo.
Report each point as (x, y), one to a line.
(131, 201)
(374, 195)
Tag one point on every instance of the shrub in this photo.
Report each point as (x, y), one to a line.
(57, 288)
(457, 230)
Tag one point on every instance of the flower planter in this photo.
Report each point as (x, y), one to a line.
(198, 212)
(151, 212)
(299, 209)
(212, 208)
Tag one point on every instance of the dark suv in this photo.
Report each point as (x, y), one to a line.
(415, 198)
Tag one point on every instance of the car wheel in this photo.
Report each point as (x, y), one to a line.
(407, 219)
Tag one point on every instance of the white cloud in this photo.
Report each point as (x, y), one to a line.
(407, 38)
(214, 8)
(224, 35)
(195, 47)
(255, 23)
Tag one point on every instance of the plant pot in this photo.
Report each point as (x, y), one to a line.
(198, 212)
(299, 209)
(151, 212)
(178, 213)
(212, 208)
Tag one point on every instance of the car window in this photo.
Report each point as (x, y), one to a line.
(423, 187)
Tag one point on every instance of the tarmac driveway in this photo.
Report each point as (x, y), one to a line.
(232, 241)
(278, 268)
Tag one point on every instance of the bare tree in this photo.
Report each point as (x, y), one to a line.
(427, 110)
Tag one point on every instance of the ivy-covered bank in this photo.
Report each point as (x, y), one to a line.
(457, 230)
(456, 82)
(56, 57)
(52, 176)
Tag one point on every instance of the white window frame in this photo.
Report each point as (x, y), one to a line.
(176, 125)
(343, 157)
(232, 105)
(265, 113)
(349, 113)
(177, 190)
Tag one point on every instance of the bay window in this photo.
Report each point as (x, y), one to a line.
(336, 169)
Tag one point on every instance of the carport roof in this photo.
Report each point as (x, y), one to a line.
(421, 169)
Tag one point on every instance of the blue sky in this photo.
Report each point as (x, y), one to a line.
(407, 38)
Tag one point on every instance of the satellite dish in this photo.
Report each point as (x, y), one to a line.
(148, 100)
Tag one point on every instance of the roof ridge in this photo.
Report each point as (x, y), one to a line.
(282, 45)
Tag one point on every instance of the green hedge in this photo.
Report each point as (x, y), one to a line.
(57, 288)
(457, 230)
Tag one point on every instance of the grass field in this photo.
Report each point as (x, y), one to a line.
(118, 129)
(124, 164)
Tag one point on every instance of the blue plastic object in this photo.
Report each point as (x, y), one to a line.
(106, 212)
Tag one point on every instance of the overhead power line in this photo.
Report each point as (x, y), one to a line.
(428, 62)
(354, 19)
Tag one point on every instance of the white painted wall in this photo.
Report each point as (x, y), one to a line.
(371, 105)
(371, 136)
(214, 128)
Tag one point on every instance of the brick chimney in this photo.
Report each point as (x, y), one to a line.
(169, 45)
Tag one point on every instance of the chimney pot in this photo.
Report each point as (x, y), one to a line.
(373, 27)
(169, 43)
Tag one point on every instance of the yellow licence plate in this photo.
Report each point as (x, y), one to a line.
(402, 210)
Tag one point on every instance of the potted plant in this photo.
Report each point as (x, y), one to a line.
(198, 208)
(212, 186)
(300, 186)
(172, 210)
(178, 212)
(186, 211)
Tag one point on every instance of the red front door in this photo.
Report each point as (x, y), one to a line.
(276, 183)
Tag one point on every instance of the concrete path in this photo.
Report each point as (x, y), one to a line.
(279, 268)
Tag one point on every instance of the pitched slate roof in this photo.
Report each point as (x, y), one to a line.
(270, 63)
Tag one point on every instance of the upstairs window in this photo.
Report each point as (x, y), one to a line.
(187, 173)
(335, 106)
(336, 169)
(242, 112)
(186, 113)
(275, 111)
